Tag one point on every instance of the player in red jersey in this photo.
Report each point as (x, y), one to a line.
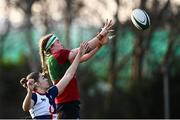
(55, 60)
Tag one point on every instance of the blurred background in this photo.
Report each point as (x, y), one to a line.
(134, 76)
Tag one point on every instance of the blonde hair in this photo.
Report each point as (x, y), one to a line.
(42, 52)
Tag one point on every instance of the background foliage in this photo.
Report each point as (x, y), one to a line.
(134, 76)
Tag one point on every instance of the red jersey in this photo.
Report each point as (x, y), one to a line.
(58, 63)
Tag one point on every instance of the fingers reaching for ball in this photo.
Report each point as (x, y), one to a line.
(107, 28)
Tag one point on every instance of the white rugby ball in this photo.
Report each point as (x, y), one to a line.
(140, 19)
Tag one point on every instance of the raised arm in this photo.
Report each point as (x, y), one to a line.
(90, 54)
(28, 102)
(96, 40)
(72, 69)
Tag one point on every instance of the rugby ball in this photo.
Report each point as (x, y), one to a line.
(140, 19)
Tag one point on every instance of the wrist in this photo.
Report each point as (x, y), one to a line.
(29, 90)
(104, 31)
(100, 36)
(99, 45)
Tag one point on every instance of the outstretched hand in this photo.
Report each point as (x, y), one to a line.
(107, 28)
(84, 47)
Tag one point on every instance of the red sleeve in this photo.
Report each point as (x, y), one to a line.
(62, 56)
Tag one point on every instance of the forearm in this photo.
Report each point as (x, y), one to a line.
(72, 69)
(27, 101)
(95, 41)
(89, 55)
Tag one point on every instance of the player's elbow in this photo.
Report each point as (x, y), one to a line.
(25, 108)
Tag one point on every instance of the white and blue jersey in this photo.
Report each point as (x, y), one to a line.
(44, 104)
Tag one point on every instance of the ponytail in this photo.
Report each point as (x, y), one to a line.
(42, 52)
(43, 62)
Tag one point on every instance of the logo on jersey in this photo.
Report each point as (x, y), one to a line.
(43, 99)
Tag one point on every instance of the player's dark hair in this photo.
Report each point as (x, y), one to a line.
(33, 75)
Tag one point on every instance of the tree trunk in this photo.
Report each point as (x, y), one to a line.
(32, 58)
(165, 67)
(136, 60)
(112, 75)
(68, 21)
